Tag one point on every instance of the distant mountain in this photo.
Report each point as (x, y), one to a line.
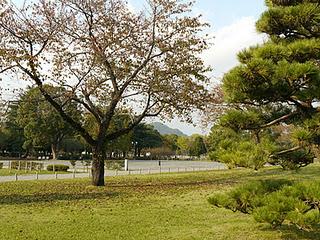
(164, 129)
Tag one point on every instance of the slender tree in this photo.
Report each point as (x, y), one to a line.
(108, 57)
(197, 147)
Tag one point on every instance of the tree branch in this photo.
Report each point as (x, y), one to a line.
(278, 120)
(83, 132)
(123, 131)
(285, 151)
(8, 68)
(148, 57)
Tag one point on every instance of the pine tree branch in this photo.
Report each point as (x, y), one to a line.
(285, 151)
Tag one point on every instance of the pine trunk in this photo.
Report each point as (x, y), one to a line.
(98, 157)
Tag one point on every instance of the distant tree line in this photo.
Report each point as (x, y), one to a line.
(31, 127)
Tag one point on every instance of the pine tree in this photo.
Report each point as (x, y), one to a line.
(279, 81)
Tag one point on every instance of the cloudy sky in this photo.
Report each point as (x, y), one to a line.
(233, 28)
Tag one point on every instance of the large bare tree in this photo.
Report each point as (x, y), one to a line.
(109, 58)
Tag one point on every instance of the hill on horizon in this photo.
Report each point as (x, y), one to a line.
(164, 129)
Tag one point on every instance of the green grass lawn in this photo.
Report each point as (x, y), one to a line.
(168, 206)
(7, 172)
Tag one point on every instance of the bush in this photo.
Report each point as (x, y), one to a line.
(275, 202)
(245, 198)
(294, 160)
(58, 167)
(274, 209)
(243, 152)
(114, 164)
(1, 165)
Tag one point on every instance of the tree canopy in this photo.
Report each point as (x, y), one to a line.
(108, 58)
(41, 122)
(278, 82)
(145, 136)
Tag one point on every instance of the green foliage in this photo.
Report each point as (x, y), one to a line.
(197, 147)
(11, 134)
(280, 20)
(114, 164)
(72, 144)
(294, 160)
(183, 145)
(42, 124)
(145, 136)
(238, 120)
(298, 204)
(309, 132)
(274, 209)
(247, 197)
(1, 165)
(171, 142)
(240, 149)
(57, 168)
(275, 202)
(276, 82)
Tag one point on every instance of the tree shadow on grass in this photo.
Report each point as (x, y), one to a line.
(291, 232)
(15, 199)
(228, 179)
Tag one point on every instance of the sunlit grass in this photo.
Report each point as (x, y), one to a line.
(11, 172)
(167, 206)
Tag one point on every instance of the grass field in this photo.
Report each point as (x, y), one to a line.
(7, 172)
(168, 206)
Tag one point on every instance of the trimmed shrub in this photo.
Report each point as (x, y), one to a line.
(274, 209)
(247, 197)
(58, 167)
(114, 164)
(275, 202)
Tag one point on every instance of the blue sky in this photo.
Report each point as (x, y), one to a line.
(232, 26)
(225, 12)
(221, 13)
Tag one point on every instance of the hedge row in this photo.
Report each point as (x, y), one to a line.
(58, 168)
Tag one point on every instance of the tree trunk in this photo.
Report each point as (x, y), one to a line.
(98, 157)
(135, 151)
(54, 149)
(257, 136)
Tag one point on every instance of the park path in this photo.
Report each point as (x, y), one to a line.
(134, 166)
(33, 177)
(30, 177)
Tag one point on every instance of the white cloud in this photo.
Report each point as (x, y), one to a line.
(222, 56)
(228, 41)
